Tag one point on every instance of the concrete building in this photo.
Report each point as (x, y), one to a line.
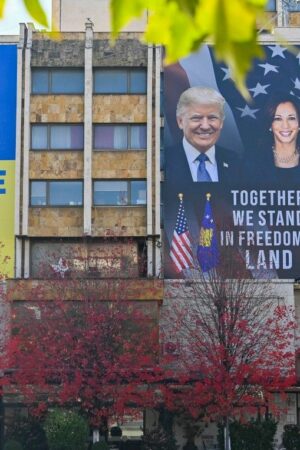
(87, 170)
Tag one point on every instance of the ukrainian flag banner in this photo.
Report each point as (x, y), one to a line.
(207, 251)
(8, 83)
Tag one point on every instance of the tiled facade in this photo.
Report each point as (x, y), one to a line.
(86, 52)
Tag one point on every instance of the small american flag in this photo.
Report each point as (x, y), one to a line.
(181, 247)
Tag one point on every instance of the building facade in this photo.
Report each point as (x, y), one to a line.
(88, 167)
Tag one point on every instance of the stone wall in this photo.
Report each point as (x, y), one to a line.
(106, 221)
(59, 51)
(117, 164)
(95, 259)
(119, 108)
(63, 222)
(26, 290)
(119, 221)
(125, 52)
(56, 165)
(57, 108)
(294, 19)
(67, 50)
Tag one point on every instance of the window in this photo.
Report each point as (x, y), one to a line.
(120, 137)
(292, 5)
(271, 5)
(120, 192)
(120, 81)
(57, 137)
(56, 193)
(57, 81)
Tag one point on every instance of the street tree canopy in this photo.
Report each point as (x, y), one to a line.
(183, 25)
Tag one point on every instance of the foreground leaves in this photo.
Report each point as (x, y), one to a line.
(33, 7)
(36, 11)
(183, 25)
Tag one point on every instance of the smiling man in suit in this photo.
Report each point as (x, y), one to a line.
(198, 165)
(200, 115)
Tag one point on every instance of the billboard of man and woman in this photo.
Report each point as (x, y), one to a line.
(238, 158)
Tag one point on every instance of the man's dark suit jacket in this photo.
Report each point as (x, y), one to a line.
(177, 166)
(178, 179)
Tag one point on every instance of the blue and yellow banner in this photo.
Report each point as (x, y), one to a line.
(8, 82)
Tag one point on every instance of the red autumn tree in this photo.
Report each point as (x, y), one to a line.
(86, 352)
(232, 342)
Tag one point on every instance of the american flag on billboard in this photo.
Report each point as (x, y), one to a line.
(277, 72)
(181, 246)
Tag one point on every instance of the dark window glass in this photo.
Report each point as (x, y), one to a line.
(120, 192)
(111, 193)
(40, 83)
(108, 81)
(111, 137)
(120, 137)
(138, 82)
(291, 5)
(65, 193)
(56, 193)
(38, 193)
(66, 137)
(39, 137)
(271, 5)
(120, 81)
(67, 81)
(57, 81)
(138, 136)
(138, 192)
(57, 137)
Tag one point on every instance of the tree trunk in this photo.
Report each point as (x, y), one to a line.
(227, 435)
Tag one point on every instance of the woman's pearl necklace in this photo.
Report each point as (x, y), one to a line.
(287, 159)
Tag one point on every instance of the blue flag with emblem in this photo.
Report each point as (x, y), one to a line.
(207, 251)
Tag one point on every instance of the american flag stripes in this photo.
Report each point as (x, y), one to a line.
(181, 247)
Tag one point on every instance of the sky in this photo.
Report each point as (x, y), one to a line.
(15, 12)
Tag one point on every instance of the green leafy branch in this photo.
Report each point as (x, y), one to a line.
(182, 26)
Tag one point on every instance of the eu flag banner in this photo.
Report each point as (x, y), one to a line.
(208, 252)
(181, 247)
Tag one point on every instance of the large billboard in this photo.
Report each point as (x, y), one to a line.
(8, 74)
(232, 169)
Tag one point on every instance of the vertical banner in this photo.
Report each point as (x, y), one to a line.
(8, 81)
(232, 165)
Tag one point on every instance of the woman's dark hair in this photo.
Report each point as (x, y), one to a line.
(266, 137)
(273, 103)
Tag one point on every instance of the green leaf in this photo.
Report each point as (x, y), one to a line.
(36, 11)
(2, 4)
(183, 25)
(123, 11)
(166, 26)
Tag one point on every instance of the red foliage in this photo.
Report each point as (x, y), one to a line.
(232, 343)
(92, 354)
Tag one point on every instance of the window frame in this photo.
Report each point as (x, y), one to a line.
(50, 71)
(129, 71)
(129, 193)
(128, 126)
(48, 204)
(49, 148)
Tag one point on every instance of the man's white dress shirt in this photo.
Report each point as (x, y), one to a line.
(192, 154)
